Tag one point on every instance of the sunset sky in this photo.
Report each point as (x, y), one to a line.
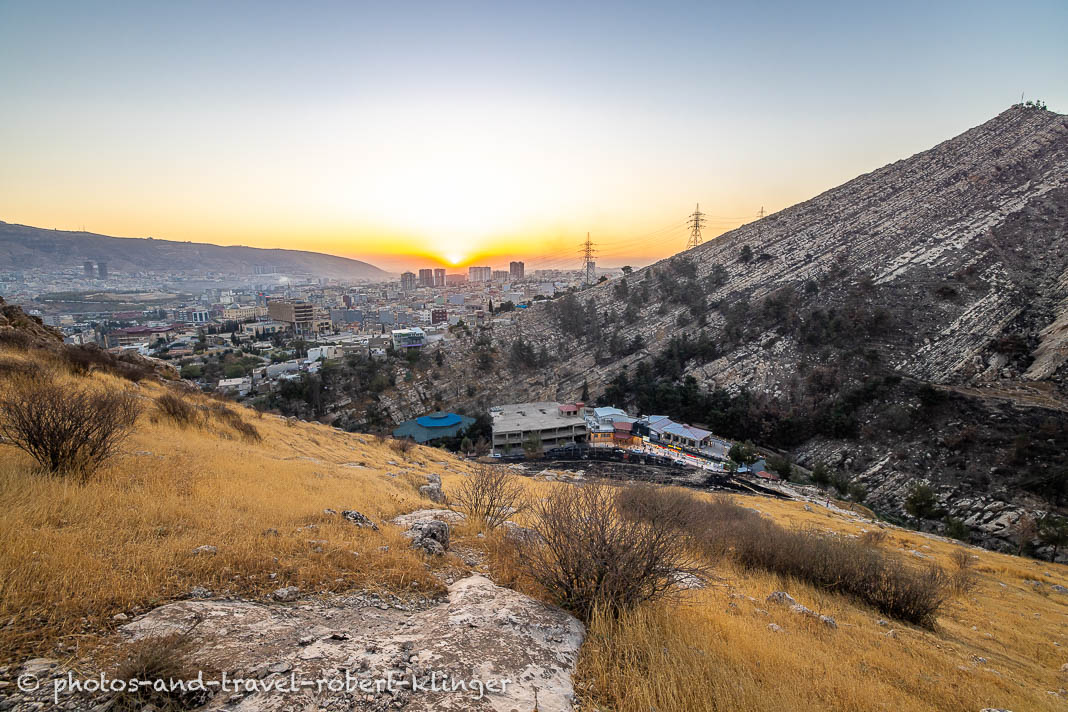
(408, 134)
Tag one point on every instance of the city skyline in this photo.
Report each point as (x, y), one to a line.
(473, 135)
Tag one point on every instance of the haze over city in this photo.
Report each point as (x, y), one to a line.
(431, 134)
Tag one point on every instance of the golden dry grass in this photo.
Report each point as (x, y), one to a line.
(125, 538)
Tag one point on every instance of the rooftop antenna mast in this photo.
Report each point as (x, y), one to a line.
(587, 260)
(695, 223)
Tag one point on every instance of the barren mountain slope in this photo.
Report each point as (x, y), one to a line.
(24, 247)
(837, 315)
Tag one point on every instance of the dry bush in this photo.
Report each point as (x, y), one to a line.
(84, 358)
(178, 409)
(230, 417)
(850, 567)
(167, 658)
(402, 445)
(963, 579)
(68, 429)
(590, 556)
(19, 340)
(838, 565)
(12, 367)
(491, 495)
(873, 537)
(247, 430)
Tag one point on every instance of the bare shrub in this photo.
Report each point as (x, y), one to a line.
(84, 358)
(178, 409)
(962, 580)
(15, 338)
(67, 429)
(15, 367)
(851, 567)
(590, 556)
(873, 537)
(230, 417)
(247, 430)
(402, 445)
(167, 658)
(491, 495)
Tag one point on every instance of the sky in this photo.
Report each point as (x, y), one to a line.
(419, 134)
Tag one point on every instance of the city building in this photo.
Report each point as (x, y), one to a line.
(88, 267)
(241, 313)
(546, 424)
(426, 278)
(298, 316)
(479, 274)
(439, 316)
(500, 275)
(407, 283)
(439, 277)
(102, 270)
(133, 335)
(192, 316)
(428, 429)
(455, 280)
(408, 338)
(260, 329)
(515, 271)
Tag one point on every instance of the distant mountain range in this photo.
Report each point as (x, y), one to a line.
(24, 247)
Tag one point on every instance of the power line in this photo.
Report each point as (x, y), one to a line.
(697, 219)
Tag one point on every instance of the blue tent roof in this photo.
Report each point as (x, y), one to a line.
(438, 420)
(434, 426)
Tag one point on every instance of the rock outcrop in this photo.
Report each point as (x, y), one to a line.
(482, 633)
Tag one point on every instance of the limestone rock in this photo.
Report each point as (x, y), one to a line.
(482, 631)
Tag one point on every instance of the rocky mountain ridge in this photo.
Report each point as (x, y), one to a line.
(910, 325)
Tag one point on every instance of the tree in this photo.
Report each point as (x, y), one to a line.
(627, 269)
(1053, 531)
(820, 475)
(957, 529)
(466, 445)
(532, 444)
(585, 397)
(743, 453)
(921, 503)
(747, 253)
(1025, 531)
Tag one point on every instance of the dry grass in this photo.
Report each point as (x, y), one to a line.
(125, 538)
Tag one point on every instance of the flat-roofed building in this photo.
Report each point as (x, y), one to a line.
(408, 338)
(299, 316)
(547, 423)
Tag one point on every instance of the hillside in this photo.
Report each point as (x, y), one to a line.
(235, 538)
(23, 247)
(907, 326)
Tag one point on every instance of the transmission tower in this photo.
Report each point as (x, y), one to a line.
(587, 260)
(696, 222)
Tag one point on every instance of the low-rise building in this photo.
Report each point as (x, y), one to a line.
(548, 424)
(408, 338)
